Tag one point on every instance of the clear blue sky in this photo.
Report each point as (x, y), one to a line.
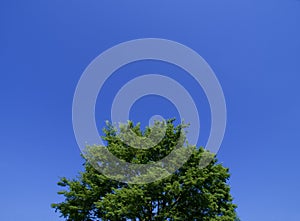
(253, 47)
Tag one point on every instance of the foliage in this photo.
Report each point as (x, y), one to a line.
(191, 193)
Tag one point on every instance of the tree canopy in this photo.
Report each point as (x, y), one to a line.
(190, 193)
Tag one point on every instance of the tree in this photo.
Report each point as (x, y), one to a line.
(190, 193)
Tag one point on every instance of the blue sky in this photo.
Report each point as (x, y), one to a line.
(252, 46)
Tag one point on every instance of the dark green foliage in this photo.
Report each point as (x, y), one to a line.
(191, 193)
